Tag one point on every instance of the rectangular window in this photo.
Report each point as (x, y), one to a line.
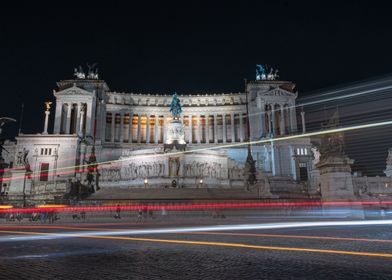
(44, 172)
(42, 151)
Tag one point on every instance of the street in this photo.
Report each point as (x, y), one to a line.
(101, 251)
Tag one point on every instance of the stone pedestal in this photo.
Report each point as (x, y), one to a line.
(175, 137)
(3, 166)
(335, 178)
(20, 184)
(336, 185)
(263, 186)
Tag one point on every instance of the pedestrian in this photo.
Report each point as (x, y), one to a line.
(140, 215)
(118, 210)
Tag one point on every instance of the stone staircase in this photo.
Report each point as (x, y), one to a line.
(172, 193)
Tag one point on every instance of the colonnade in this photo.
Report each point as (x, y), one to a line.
(279, 119)
(73, 118)
(128, 127)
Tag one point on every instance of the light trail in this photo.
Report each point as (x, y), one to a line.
(72, 169)
(192, 206)
(293, 236)
(210, 233)
(266, 226)
(40, 236)
(249, 246)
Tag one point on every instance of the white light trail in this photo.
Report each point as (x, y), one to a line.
(265, 226)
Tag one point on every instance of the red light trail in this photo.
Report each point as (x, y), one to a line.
(191, 206)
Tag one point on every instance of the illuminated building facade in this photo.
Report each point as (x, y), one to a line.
(128, 132)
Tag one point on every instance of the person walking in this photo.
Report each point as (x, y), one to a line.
(118, 211)
(139, 215)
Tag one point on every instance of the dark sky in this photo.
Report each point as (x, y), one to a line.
(186, 46)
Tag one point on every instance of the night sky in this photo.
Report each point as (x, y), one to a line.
(158, 47)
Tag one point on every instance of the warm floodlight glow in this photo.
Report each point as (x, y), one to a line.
(51, 206)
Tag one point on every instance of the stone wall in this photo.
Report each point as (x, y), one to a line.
(372, 186)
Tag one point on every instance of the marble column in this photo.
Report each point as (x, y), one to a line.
(190, 128)
(78, 118)
(303, 121)
(282, 122)
(68, 122)
(164, 129)
(113, 127)
(121, 127)
(273, 118)
(269, 116)
(138, 128)
(130, 127)
(224, 128)
(293, 118)
(58, 117)
(156, 123)
(262, 120)
(207, 129)
(215, 128)
(81, 119)
(148, 128)
(232, 126)
(90, 118)
(198, 130)
(47, 112)
(241, 128)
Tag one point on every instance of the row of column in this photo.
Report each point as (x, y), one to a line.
(72, 118)
(121, 127)
(280, 119)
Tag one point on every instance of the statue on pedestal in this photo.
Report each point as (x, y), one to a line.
(175, 129)
(175, 106)
(334, 166)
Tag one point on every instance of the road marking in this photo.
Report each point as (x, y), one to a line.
(221, 244)
(291, 236)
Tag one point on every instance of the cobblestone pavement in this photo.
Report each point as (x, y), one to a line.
(120, 258)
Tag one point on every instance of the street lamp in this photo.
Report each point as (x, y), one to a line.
(145, 183)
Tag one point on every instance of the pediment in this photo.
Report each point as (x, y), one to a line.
(74, 90)
(279, 92)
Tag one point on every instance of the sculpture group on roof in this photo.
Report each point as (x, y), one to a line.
(92, 73)
(261, 73)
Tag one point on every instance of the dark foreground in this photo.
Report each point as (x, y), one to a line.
(245, 254)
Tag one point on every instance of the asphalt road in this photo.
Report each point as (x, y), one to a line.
(333, 252)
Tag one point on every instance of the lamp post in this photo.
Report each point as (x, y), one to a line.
(145, 183)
